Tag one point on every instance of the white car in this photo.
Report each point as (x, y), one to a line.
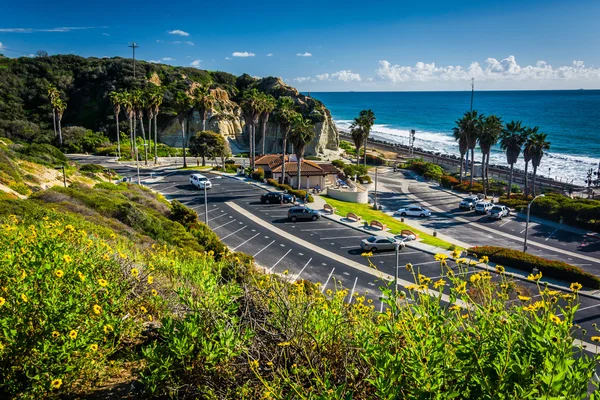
(499, 212)
(469, 203)
(199, 181)
(483, 207)
(413, 212)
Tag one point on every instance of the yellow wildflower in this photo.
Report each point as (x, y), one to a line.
(67, 258)
(59, 273)
(504, 286)
(329, 292)
(439, 283)
(94, 347)
(367, 254)
(524, 298)
(150, 279)
(108, 328)
(112, 236)
(455, 307)
(135, 272)
(81, 276)
(102, 282)
(555, 319)
(55, 334)
(535, 277)
(254, 364)
(475, 278)
(23, 274)
(596, 339)
(106, 257)
(97, 309)
(461, 288)
(456, 253)
(440, 257)
(576, 287)
(24, 297)
(143, 309)
(150, 318)
(154, 292)
(409, 267)
(500, 269)
(461, 261)
(484, 259)
(2, 301)
(284, 344)
(464, 316)
(56, 383)
(73, 334)
(423, 279)
(411, 287)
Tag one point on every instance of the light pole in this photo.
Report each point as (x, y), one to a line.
(527, 221)
(375, 198)
(396, 271)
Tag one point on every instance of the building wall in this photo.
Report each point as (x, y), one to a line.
(361, 197)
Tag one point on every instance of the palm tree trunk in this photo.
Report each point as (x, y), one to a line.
(60, 130)
(485, 189)
(472, 167)
(135, 138)
(512, 165)
(533, 180)
(264, 132)
(204, 120)
(150, 133)
(526, 180)
(365, 152)
(118, 138)
(131, 153)
(283, 157)
(145, 144)
(183, 143)
(155, 140)
(299, 172)
(54, 120)
(487, 166)
(460, 174)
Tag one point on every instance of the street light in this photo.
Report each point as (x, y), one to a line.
(527, 221)
(205, 205)
(375, 198)
(396, 270)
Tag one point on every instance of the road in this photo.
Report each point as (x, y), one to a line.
(321, 251)
(478, 230)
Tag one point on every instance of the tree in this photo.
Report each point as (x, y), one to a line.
(183, 105)
(358, 137)
(61, 106)
(116, 98)
(470, 127)
(127, 102)
(511, 140)
(53, 95)
(268, 104)
(285, 115)
(251, 107)
(490, 132)
(139, 101)
(366, 119)
(157, 99)
(463, 146)
(539, 145)
(208, 144)
(528, 131)
(148, 102)
(204, 101)
(303, 132)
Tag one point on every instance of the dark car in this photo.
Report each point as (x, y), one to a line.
(303, 213)
(277, 197)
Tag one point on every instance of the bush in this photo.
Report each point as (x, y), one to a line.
(426, 169)
(448, 181)
(465, 188)
(20, 188)
(375, 160)
(365, 179)
(93, 168)
(313, 158)
(258, 174)
(77, 139)
(350, 170)
(338, 164)
(527, 262)
(300, 194)
(44, 154)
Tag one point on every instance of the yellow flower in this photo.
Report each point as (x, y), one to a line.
(504, 286)
(576, 287)
(94, 347)
(59, 273)
(439, 283)
(596, 339)
(411, 287)
(455, 307)
(24, 297)
(108, 328)
(67, 258)
(464, 316)
(555, 319)
(461, 288)
(154, 292)
(475, 278)
(106, 257)
(112, 236)
(135, 272)
(444, 263)
(73, 334)
(423, 279)
(286, 272)
(143, 309)
(329, 292)
(461, 261)
(150, 279)
(81, 276)
(23, 274)
(97, 309)
(367, 254)
(456, 253)
(440, 257)
(150, 318)
(56, 383)
(55, 334)
(283, 344)
(102, 282)
(254, 364)
(484, 259)
(409, 267)
(535, 277)
(2, 301)
(500, 269)
(524, 298)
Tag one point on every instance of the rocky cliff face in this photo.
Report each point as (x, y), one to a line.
(226, 118)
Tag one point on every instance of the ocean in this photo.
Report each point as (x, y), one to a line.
(571, 118)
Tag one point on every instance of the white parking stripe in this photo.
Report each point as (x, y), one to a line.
(343, 237)
(553, 232)
(353, 288)
(274, 265)
(425, 263)
(505, 223)
(243, 243)
(323, 229)
(327, 281)
(394, 254)
(260, 251)
(350, 247)
(232, 233)
(302, 270)
(218, 216)
(220, 226)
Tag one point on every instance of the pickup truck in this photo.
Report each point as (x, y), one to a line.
(499, 212)
(468, 203)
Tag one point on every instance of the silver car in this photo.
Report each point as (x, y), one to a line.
(380, 243)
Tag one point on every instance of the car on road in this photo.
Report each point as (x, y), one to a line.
(277, 197)
(499, 212)
(413, 212)
(380, 243)
(200, 181)
(303, 214)
(483, 207)
(469, 203)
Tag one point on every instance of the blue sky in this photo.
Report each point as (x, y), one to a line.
(332, 45)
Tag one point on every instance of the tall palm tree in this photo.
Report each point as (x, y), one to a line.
(463, 146)
(116, 98)
(512, 139)
(183, 105)
(303, 132)
(157, 99)
(60, 106)
(268, 104)
(204, 101)
(285, 115)
(127, 102)
(366, 119)
(149, 96)
(490, 132)
(528, 131)
(539, 145)
(358, 137)
(251, 105)
(53, 95)
(139, 98)
(471, 127)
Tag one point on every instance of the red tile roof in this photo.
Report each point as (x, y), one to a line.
(308, 168)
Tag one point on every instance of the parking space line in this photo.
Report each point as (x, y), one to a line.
(343, 237)
(327, 281)
(263, 248)
(425, 263)
(218, 216)
(274, 265)
(220, 226)
(353, 288)
(232, 233)
(350, 247)
(323, 229)
(243, 243)
(505, 223)
(553, 232)
(394, 254)
(302, 270)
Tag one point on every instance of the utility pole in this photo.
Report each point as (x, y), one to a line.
(133, 46)
(472, 91)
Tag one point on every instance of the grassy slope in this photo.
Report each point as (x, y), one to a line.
(368, 214)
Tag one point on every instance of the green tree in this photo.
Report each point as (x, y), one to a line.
(512, 139)
(285, 115)
(53, 95)
(268, 104)
(358, 137)
(527, 154)
(60, 106)
(251, 107)
(183, 105)
(539, 145)
(139, 99)
(463, 145)
(208, 144)
(157, 100)
(366, 120)
(204, 101)
(490, 132)
(303, 132)
(470, 126)
(116, 98)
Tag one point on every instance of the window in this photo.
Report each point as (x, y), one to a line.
(372, 239)
(383, 241)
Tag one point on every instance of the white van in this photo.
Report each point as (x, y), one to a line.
(483, 207)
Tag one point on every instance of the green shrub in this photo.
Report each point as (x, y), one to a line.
(258, 174)
(20, 188)
(365, 179)
(313, 158)
(466, 188)
(350, 170)
(94, 168)
(426, 169)
(527, 262)
(111, 186)
(338, 163)
(375, 160)
(44, 154)
(448, 181)
(300, 194)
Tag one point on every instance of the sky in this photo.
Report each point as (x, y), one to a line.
(331, 45)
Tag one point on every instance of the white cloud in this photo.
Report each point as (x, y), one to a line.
(301, 79)
(322, 77)
(105, 34)
(494, 70)
(179, 32)
(177, 42)
(195, 63)
(159, 41)
(346, 76)
(270, 55)
(31, 30)
(189, 42)
(168, 59)
(307, 54)
(228, 58)
(243, 54)
(370, 79)
(1, 45)
(155, 61)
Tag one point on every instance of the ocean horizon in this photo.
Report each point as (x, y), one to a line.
(569, 118)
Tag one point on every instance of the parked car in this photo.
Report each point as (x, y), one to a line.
(499, 212)
(200, 181)
(405, 237)
(277, 197)
(303, 214)
(413, 212)
(469, 203)
(380, 243)
(483, 207)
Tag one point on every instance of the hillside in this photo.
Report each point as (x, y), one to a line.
(85, 83)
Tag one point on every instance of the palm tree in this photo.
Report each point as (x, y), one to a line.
(53, 95)
(366, 119)
(157, 99)
(60, 106)
(139, 98)
(116, 98)
(511, 141)
(285, 117)
(127, 102)
(490, 132)
(268, 104)
(471, 127)
(183, 105)
(303, 132)
(251, 105)
(528, 131)
(539, 144)
(358, 137)
(149, 98)
(204, 102)
(459, 134)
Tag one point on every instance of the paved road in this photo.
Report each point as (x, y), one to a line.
(477, 230)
